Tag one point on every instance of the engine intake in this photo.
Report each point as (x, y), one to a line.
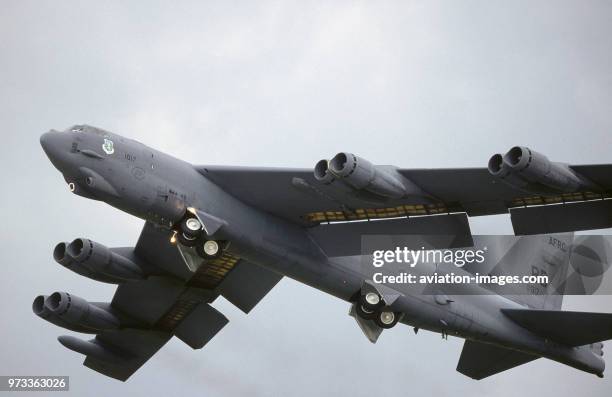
(531, 171)
(360, 174)
(39, 308)
(74, 313)
(61, 256)
(322, 173)
(96, 261)
(501, 170)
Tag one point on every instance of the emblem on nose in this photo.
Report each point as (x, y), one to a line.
(108, 146)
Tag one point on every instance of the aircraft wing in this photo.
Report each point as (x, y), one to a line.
(137, 347)
(174, 303)
(296, 195)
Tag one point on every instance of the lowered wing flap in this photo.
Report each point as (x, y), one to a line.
(200, 326)
(344, 239)
(149, 299)
(585, 215)
(247, 284)
(159, 307)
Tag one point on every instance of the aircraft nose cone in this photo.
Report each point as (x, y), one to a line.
(44, 141)
(55, 145)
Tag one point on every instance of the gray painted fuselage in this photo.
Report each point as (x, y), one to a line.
(157, 187)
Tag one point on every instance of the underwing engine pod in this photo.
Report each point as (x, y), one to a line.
(532, 172)
(379, 182)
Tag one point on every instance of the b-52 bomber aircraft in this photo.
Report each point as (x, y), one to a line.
(236, 231)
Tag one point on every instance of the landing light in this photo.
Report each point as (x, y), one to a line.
(71, 186)
(173, 238)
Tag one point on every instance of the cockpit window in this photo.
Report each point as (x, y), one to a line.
(87, 129)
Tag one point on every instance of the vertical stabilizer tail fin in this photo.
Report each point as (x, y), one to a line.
(542, 255)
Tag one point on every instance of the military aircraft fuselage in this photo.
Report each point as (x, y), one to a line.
(161, 189)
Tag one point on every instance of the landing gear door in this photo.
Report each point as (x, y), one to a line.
(192, 260)
(368, 327)
(210, 222)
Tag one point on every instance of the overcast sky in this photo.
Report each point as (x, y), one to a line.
(415, 84)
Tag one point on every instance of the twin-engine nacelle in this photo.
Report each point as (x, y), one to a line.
(74, 313)
(96, 261)
(532, 172)
(360, 175)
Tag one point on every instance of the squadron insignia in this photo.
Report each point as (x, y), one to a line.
(108, 146)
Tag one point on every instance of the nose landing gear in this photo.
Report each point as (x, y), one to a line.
(190, 229)
(190, 233)
(386, 319)
(209, 249)
(371, 306)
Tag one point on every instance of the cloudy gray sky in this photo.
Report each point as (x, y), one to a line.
(411, 83)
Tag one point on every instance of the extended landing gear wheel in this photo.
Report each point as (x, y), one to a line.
(371, 301)
(190, 230)
(209, 249)
(386, 319)
(364, 312)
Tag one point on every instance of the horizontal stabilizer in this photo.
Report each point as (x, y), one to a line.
(568, 328)
(480, 360)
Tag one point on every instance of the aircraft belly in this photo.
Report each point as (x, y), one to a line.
(464, 318)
